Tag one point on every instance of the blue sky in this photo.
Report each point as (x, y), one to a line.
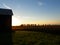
(34, 11)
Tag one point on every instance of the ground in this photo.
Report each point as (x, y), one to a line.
(35, 38)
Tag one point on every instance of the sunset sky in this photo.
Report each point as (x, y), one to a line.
(33, 11)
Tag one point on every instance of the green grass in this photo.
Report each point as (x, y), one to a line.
(35, 38)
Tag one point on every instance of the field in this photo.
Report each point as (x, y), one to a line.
(35, 38)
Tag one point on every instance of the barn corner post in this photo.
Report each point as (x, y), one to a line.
(6, 26)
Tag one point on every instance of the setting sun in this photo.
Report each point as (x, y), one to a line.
(15, 21)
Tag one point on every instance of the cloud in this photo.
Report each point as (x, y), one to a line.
(26, 17)
(40, 3)
(6, 6)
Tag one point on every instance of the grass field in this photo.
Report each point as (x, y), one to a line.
(35, 38)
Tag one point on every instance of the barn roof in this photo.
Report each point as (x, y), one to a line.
(6, 11)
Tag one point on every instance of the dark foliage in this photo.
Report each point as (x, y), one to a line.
(53, 29)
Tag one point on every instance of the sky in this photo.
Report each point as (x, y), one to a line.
(34, 11)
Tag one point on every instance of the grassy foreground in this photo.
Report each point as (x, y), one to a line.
(35, 38)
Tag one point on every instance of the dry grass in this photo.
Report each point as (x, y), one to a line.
(35, 38)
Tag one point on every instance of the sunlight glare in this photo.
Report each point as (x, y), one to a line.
(15, 21)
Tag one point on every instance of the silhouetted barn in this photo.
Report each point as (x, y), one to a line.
(5, 26)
